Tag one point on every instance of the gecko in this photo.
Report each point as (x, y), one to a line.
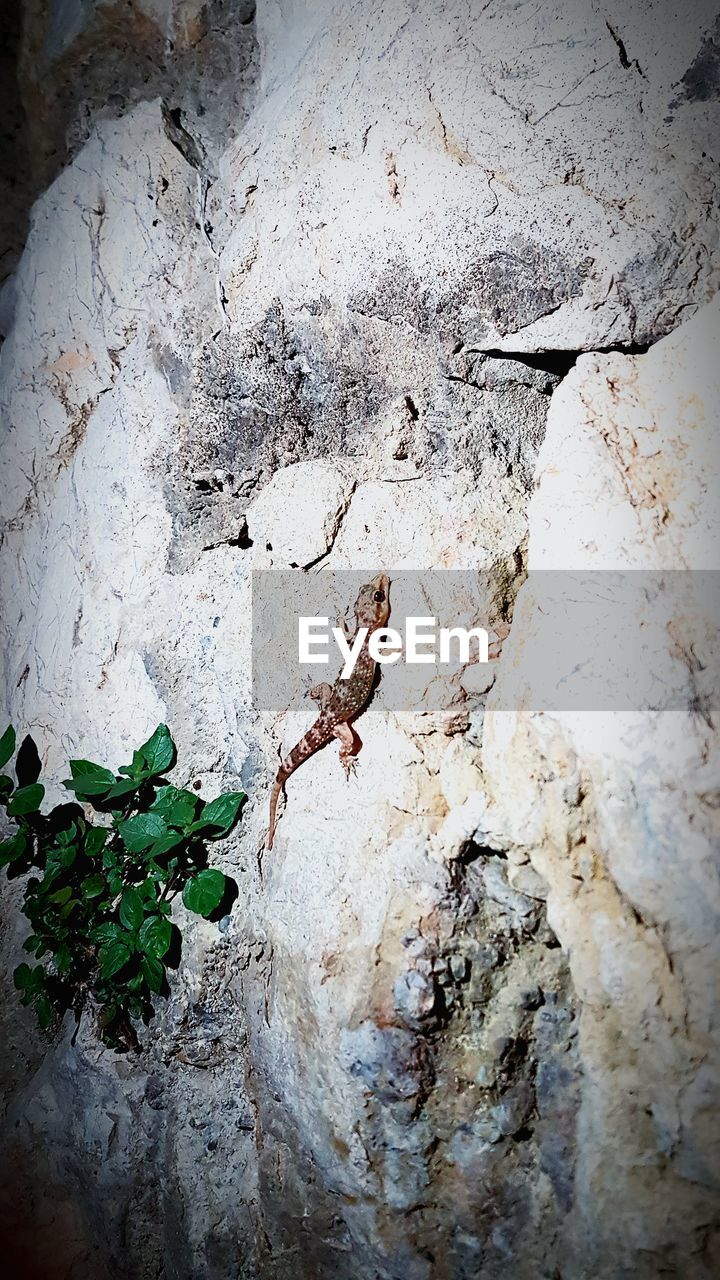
(342, 702)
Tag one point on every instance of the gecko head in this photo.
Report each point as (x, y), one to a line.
(372, 607)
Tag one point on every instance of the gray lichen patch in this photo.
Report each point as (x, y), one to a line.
(499, 292)
(511, 287)
(311, 384)
(701, 82)
(500, 1014)
(461, 1067)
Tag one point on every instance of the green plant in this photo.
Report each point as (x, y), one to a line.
(100, 897)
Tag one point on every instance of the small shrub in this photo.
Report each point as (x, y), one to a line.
(100, 892)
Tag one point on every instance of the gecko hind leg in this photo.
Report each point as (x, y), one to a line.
(348, 747)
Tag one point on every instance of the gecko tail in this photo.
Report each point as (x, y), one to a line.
(304, 748)
(274, 797)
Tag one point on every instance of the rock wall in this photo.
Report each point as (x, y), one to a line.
(617, 811)
(308, 289)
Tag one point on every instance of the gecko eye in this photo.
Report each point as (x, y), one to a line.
(379, 596)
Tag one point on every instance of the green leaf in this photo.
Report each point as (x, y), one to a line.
(204, 893)
(62, 896)
(153, 972)
(93, 886)
(105, 939)
(88, 769)
(22, 976)
(124, 788)
(131, 910)
(26, 800)
(45, 1013)
(95, 840)
(112, 957)
(52, 873)
(220, 814)
(155, 936)
(158, 753)
(108, 931)
(27, 764)
(111, 856)
(88, 788)
(135, 1006)
(63, 958)
(170, 841)
(30, 981)
(63, 857)
(88, 779)
(176, 806)
(12, 848)
(139, 832)
(152, 758)
(7, 745)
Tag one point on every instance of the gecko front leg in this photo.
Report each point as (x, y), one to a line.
(344, 733)
(347, 627)
(321, 694)
(317, 692)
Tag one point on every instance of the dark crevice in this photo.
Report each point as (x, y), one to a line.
(240, 539)
(471, 852)
(189, 148)
(558, 363)
(412, 408)
(243, 540)
(524, 1134)
(312, 564)
(624, 60)
(626, 348)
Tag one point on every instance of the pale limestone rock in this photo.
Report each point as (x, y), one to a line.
(631, 858)
(458, 772)
(528, 137)
(295, 518)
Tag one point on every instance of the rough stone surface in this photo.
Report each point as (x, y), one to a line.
(618, 811)
(461, 1020)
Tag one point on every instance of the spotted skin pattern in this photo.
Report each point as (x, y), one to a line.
(342, 702)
